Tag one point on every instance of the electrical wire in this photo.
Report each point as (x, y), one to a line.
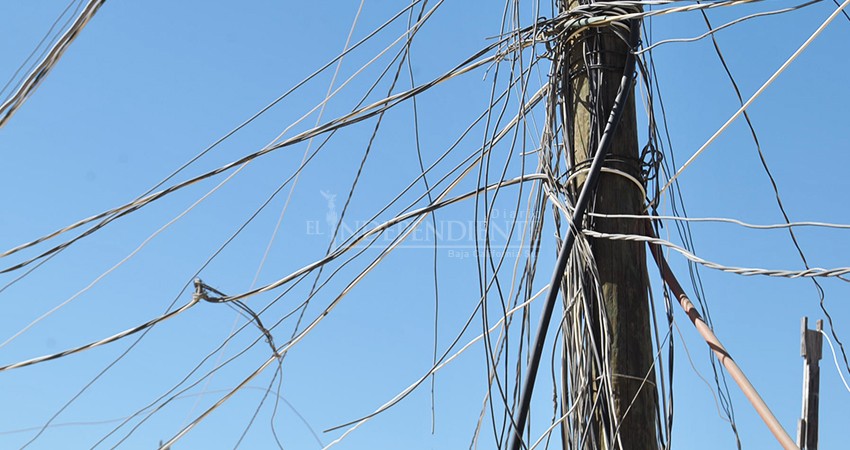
(494, 287)
(714, 30)
(44, 39)
(282, 294)
(30, 82)
(835, 358)
(814, 272)
(300, 417)
(443, 362)
(212, 146)
(101, 342)
(755, 95)
(396, 242)
(304, 161)
(122, 261)
(359, 115)
(775, 226)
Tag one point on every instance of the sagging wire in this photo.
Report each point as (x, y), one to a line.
(221, 248)
(658, 164)
(120, 263)
(359, 237)
(417, 143)
(211, 258)
(203, 291)
(400, 57)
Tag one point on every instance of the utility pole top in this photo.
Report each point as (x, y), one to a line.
(811, 341)
(811, 349)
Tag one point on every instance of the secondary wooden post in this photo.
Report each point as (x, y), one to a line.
(597, 57)
(811, 349)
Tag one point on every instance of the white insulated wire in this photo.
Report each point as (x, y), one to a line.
(752, 99)
(835, 358)
(814, 272)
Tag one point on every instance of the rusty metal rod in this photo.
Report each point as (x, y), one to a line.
(711, 339)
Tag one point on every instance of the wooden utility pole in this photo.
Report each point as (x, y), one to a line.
(596, 62)
(811, 349)
(593, 77)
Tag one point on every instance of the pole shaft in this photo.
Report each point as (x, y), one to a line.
(596, 57)
(811, 349)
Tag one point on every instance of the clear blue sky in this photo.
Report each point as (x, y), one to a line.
(148, 85)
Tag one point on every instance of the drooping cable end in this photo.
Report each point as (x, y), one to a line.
(202, 292)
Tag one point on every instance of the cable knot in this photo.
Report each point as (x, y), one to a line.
(202, 292)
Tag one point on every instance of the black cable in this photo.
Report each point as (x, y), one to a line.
(847, 16)
(584, 197)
